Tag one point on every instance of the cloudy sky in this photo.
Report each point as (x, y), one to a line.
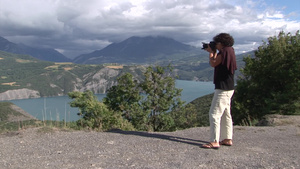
(74, 27)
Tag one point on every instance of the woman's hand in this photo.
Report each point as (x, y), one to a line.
(214, 59)
(208, 49)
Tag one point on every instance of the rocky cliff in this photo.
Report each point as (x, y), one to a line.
(19, 94)
(98, 81)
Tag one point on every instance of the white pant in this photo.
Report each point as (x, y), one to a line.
(219, 113)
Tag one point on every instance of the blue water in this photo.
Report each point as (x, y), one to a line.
(58, 108)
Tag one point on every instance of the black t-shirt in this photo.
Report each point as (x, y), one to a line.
(224, 72)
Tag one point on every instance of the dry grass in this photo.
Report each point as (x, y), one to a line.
(239, 128)
(52, 67)
(280, 120)
(115, 67)
(63, 63)
(57, 65)
(24, 61)
(53, 129)
(46, 129)
(68, 68)
(10, 84)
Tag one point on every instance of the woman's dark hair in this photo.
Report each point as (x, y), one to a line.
(225, 39)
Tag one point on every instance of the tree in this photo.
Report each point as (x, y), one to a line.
(95, 114)
(161, 97)
(271, 82)
(124, 97)
(147, 104)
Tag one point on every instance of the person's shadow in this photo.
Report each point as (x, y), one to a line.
(161, 136)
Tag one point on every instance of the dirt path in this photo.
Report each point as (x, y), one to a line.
(254, 147)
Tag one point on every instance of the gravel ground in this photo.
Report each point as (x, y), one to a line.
(254, 147)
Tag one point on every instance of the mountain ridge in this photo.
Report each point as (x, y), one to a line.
(46, 54)
(137, 50)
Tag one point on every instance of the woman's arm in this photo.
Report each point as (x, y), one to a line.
(214, 59)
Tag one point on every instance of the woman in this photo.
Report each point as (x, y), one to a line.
(224, 63)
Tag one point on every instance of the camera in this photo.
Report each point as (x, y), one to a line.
(211, 44)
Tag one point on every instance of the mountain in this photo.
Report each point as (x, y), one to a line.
(23, 76)
(139, 50)
(189, 63)
(46, 54)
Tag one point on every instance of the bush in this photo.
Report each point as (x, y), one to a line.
(95, 114)
(271, 82)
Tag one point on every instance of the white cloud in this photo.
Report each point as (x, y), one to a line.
(76, 27)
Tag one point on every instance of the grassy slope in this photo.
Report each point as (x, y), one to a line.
(6, 110)
(12, 119)
(49, 78)
(24, 71)
(6, 124)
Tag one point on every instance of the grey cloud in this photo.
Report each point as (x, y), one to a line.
(66, 14)
(76, 27)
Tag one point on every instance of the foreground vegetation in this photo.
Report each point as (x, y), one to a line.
(125, 106)
(271, 81)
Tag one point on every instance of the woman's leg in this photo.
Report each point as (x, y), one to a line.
(215, 114)
(226, 119)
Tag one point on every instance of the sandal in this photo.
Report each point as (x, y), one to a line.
(209, 145)
(226, 142)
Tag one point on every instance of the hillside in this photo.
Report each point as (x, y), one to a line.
(12, 113)
(190, 63)
(46, 54)
(197, 68)
(23, 76)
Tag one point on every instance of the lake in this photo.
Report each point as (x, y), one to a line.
(58, 108)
